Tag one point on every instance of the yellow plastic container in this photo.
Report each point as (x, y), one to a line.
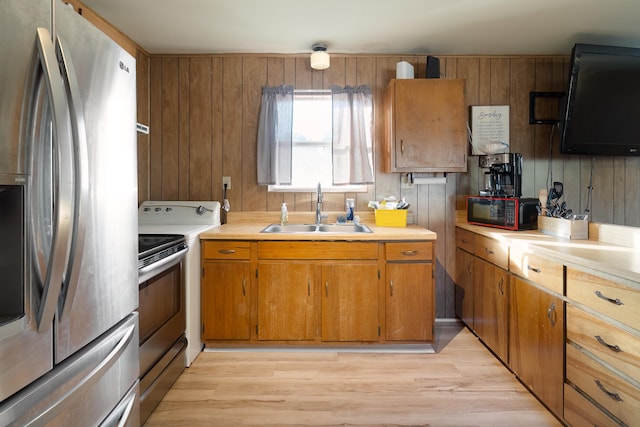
(391, 217)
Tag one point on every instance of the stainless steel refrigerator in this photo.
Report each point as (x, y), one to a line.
(68, 221)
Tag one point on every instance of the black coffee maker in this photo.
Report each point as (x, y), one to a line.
(504, 177)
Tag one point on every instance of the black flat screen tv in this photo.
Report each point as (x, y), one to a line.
(601, 112)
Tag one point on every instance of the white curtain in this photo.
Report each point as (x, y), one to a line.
(352, 148)
(275, 135)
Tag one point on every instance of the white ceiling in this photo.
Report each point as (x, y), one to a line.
(456, 27)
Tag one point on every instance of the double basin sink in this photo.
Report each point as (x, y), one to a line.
(316, 228)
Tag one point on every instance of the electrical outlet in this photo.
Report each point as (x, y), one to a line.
(226, 180)
(405, 182)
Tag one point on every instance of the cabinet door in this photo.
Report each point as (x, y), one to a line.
(428, 126)
(350, 302)
(286, 293)
(464, 287)
(409, 302)
(536, 341)
(490, 317)
(226, 289)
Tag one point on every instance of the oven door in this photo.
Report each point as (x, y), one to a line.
(162, 334)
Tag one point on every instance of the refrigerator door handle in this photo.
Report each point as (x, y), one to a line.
(61, 242)
(81, 179)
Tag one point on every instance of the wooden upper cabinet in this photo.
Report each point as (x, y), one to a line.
(425, 126)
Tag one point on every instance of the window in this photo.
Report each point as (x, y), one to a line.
(311, 145)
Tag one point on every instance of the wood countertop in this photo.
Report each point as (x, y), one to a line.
(610, 249)
(247, 226)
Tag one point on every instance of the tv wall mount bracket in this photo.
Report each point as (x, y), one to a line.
(533, 96)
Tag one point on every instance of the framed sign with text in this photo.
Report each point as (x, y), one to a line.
(489, 129)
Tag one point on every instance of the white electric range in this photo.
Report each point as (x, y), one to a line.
(188, 218)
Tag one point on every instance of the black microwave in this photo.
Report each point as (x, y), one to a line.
(509, 213)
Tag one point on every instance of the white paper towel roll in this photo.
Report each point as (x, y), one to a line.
(404, 70)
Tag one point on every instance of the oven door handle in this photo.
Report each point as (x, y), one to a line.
(151, 270)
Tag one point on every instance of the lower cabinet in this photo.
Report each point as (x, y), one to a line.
(491, 307)
(409, 302)
(464, 287)
(536, 341)
(226, 296)
(602, 349)
(286, 300)
(350, 302)
(409, 292)
(311, 292)
(573, 337)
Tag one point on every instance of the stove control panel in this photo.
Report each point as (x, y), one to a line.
(179, 212)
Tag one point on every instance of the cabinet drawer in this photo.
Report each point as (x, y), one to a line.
(603, 386)
(579, 411)
(226, 250)
(465, 239)
(409, 251)
(612, 299)
(538, 269)
(492, 250)
(317, 250)
(613, 345)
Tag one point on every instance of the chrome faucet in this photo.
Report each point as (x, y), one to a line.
(319, 205)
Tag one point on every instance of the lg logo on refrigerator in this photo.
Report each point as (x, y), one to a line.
(124, 67)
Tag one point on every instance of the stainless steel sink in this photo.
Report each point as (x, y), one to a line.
(290, 228)
(316, 228)
(344, 228)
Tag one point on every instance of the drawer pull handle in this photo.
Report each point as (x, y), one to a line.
(466, 241)
(227, 251)
(488, 251)
(409, 253)
(551, 314)
(391, 287)
(615, 348)
(614, 396)
(469, 267)
(501, 285)
(326, 289)
(534, 269)
(244, 287)
(401, 146)
(611, 300)
(308, 287)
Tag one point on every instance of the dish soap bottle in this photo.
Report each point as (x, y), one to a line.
(284, 214)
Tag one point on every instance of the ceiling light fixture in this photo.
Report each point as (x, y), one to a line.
(319, 57)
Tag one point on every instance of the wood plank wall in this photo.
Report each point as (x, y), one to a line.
(203, 114)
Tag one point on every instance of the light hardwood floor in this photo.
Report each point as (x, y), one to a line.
(461, 385)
